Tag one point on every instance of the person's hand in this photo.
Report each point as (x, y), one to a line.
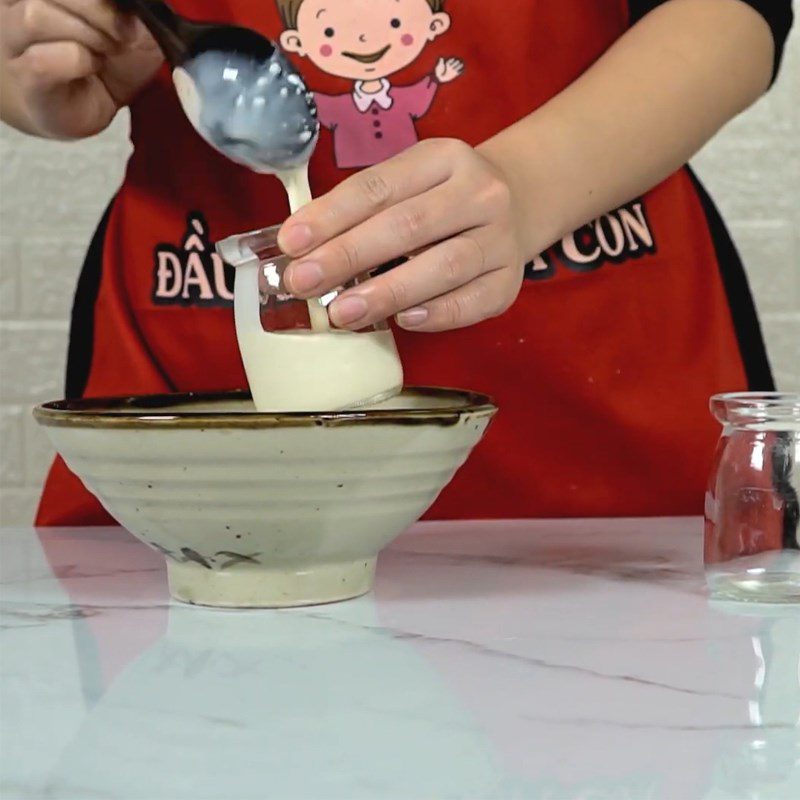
(441, 200)
(74, 63)
(448, 69)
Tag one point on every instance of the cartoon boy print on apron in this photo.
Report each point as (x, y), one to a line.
(367, 42)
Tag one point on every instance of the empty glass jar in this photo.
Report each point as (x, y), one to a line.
(294, 359)
(752, 530)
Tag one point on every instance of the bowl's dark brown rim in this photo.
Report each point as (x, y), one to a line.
(152, 411)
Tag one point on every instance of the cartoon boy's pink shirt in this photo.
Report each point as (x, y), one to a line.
(369, 129)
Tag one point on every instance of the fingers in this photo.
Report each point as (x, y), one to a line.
(53, 64)
(435, 272)
(364, 195)
(489, 295)
(441, 269)
(400, 229)
(440, 195)
(103, 15)
(39, 21)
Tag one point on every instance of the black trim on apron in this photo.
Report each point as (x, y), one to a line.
(740, 300)
(81, 329)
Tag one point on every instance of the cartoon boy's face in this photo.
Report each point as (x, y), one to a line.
(363, 40)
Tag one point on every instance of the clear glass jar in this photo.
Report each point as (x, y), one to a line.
(752, 529)
(294, 359)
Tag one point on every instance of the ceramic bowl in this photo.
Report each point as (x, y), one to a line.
(254, 509)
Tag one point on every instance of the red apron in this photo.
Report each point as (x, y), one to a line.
(603, 367)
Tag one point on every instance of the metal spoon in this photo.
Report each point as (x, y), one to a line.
(239, 91)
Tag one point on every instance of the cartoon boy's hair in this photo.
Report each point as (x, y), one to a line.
(289, 9)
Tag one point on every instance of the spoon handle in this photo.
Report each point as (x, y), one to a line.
(170, 30)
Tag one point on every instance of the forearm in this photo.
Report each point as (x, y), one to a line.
(638, 114)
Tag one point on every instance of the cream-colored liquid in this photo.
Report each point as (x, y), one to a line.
(188, 96)
(298, 192)
(322, 369)
(306, 371)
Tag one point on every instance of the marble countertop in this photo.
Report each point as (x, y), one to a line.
(524, 659)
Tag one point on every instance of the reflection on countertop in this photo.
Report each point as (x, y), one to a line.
(524, 659)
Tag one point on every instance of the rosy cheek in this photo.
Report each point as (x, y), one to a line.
(407, 39)
(325, 50)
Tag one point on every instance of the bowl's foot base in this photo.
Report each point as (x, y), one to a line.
(252, 587)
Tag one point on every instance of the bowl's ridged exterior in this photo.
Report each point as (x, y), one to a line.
(272, 516)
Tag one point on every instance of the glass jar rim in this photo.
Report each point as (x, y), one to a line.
(242, 249)
(744, 407)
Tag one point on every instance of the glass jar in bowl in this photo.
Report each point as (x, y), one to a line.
(752, 529)
(294, 359)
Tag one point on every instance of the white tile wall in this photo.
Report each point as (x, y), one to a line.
(752, 170)
(51, 196)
